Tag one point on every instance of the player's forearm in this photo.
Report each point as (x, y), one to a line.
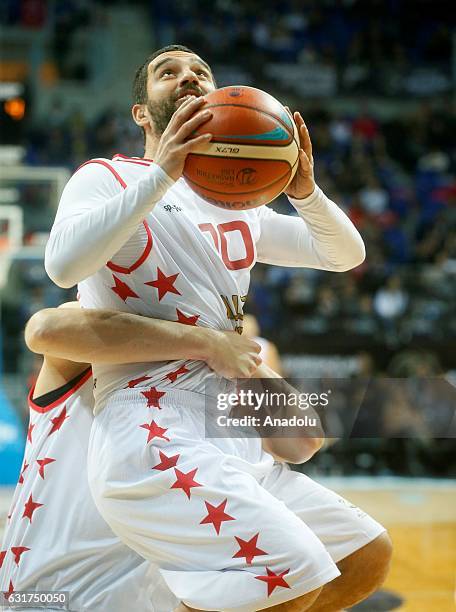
(292, 450)
(89, 231)
(335, 239)
(104, 336)
(324, 238)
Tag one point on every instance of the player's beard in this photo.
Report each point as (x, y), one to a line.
(161, 113)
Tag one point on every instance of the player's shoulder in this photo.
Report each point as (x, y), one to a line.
(119, 168)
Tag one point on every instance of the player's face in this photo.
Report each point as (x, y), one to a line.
(172, 77)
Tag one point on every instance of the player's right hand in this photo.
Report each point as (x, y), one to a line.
(233, 356)
(176, 141)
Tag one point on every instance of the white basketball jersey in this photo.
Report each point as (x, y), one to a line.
(55, 539)
(188, 262)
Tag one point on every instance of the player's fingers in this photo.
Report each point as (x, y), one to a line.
(192, 124)
(193, 144)
(305, 139)
(302, 129)
(185, 111)
(304, 162)
(255, 346)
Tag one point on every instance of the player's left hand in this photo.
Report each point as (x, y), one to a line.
(303, 183)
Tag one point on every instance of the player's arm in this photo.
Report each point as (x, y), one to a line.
(98, 214)
(321, 237)
(290, 449)
(105, 336)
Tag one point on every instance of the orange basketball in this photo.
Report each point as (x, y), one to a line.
(253, 154)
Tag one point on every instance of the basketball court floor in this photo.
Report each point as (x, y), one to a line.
(420, 515)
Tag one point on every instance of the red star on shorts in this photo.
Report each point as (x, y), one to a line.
(24, 467)
(166, 462)
(274, 580)
(248, 549)
(216, 515)
(123, 290)
(30, 507)
(153, 397)
(2, 556)
(154, 431)
(186, 320)
(42, 463)
(136, 381)
(29, 432)
(17, 552)
(164, 284)
(58, 421)
(185, 481)
(172, 376)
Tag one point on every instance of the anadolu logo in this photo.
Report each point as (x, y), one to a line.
(246, 176)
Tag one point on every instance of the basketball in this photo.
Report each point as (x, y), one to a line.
(253, 154)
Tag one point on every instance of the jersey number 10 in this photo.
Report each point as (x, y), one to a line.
(219, 236)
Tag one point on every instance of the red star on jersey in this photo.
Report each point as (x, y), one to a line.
(123, 290)
(172, 376)
(24, 467)
(248, 549)
(17, 552)
(216, 515)
(274, 580)
(153, 397)
(136, 381)
(186, 320)
(58, 421)
(154, 431)
(10, 591)
(11, 513)
(2, 556)
(166, 462)
(42, 463)
(185, 481)
(30, 507)
(29, 432)
(164, 284)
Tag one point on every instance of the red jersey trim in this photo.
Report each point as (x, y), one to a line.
(149, 244)
(44, 409)
(106, 165)
(138, 262)
(146, 159)
(132, 161)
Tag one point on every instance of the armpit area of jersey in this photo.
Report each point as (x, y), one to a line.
(52, 396)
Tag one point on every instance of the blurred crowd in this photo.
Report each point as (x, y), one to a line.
(341, 34)
(334, 32)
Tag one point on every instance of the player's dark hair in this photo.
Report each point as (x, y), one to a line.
(140, 80)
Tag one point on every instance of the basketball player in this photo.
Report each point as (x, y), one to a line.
(229, 529)
(55, 539)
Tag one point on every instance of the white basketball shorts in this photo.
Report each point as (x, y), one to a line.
(229, 529)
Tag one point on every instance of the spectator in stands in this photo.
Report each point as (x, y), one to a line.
(390, 302)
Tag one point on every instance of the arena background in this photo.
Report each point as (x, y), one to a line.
(375, 81)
